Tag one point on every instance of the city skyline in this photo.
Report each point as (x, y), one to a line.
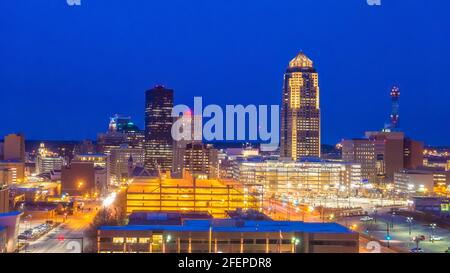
(371, 58)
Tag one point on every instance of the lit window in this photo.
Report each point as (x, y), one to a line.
(132, 240)
(118, 240)
(144, 240)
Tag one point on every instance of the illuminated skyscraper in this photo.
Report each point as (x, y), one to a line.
(300, 111)
(158, 126)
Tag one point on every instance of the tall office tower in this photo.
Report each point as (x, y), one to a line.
(14, 147)
(300, 111)
(158, 126)
(132, 135)
(361, 151)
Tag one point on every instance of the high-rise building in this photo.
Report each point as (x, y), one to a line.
(201, 160)
(122, 130)
(300, 111)
(158, 126)
(14, 147)
(389, 154)
(361, 151)
(180, 142)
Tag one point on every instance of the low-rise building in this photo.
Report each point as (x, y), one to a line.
(237, 235)
(12, 171)
(297, 178)
(189, 194)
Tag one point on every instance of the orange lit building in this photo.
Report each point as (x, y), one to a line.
(189, 195)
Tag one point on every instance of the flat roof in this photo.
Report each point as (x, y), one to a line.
(12, 213)
(248, 226)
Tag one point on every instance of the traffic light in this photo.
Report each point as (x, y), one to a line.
(388, 237)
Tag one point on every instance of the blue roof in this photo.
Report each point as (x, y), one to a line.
(12, 213)
(248, 226)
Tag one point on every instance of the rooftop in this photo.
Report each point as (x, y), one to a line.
(230, 225)
(301, 60)
(12, 213)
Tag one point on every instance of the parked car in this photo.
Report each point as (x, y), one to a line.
(366, 219)
(416, 250)
(436, 238)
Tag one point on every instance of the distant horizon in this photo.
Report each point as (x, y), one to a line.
(217, 143)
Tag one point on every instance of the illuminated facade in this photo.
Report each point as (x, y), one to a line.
(298, 178)
(201, 160)
(361, 151)
(189, 195)
(300, 111)
(46, 161)
(158, 126)
(227, 236)
(12, 172)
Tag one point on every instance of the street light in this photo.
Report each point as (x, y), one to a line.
(392, 218)
(433, 227)
(295, 242)
(409, 220)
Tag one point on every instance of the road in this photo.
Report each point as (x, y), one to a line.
(68, 237)
(400, 237)
(279, 211)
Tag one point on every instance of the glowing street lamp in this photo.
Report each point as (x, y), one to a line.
(409, 220)
(433, 227)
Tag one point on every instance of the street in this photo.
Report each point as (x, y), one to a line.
(68, 237)
(399, 234)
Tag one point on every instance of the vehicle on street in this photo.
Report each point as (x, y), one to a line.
(416, 250)
(366, 219)
(436, 238)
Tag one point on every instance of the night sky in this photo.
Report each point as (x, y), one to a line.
(65, 70)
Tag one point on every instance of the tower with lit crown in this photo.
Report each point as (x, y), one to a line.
(300, 110)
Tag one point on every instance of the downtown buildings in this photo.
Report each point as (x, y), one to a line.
(300, 110)
(298, 179)
(240, 232)
(158, 126)
(382, 154)
(47, 161)
(121, 130)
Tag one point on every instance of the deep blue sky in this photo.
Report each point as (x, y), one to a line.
(64, 70)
